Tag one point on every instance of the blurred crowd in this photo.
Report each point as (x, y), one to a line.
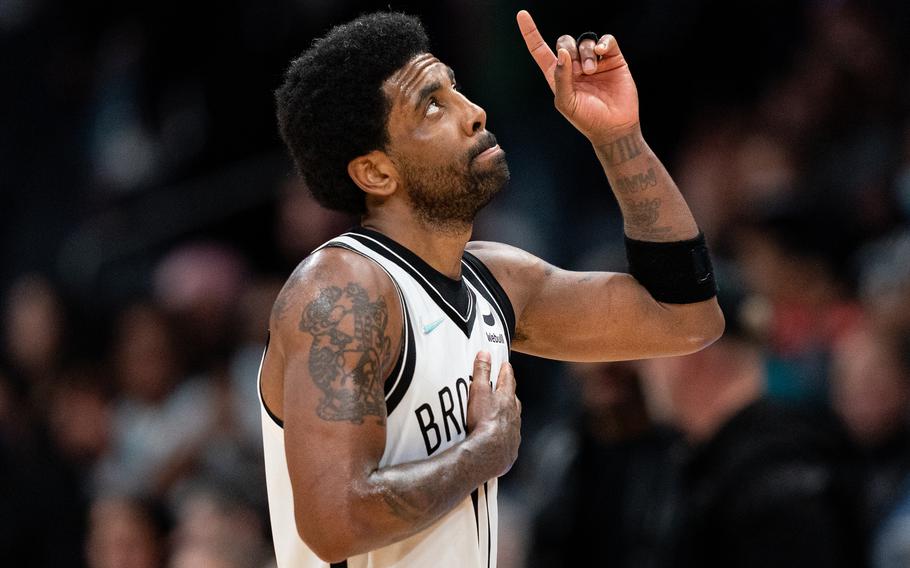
(129, 414)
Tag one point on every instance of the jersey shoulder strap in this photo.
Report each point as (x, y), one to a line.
(480, 276)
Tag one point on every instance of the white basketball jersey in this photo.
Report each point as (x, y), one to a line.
(446, 323)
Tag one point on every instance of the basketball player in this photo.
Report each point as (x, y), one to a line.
(389, 405)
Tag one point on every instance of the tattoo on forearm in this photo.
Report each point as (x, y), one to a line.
(622, 149)
(642, 216)
(414, 497)
(636, 183)
(350, 349)
(643, 213)
(403, 509)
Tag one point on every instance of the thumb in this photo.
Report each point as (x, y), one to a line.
(481, 376)
(564, 88)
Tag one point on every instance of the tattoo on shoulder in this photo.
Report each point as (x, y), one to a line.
(350, 349)
(283, 301)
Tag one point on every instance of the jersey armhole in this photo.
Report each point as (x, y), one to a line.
(278, 421)
(495, 288)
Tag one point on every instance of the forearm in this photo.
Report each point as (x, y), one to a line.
(415, 494)
(392, 503)
(652, 207)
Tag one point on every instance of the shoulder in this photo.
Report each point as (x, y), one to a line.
(501, 256)
(516, 270)
(520, 273)
(329, 277)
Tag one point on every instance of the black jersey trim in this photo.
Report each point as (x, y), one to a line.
(486, 498)
(399, 388)
(398, 381)
(476, 514)
(492, 290)
(453, 297)
(278, 421)
(342, 564)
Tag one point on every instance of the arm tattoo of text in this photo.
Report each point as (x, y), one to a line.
(350, 349)
(636, 183)
(622, 149)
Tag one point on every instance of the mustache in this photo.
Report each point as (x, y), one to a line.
(487, 141)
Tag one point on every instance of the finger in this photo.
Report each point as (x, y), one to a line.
(587, 57)
(506, 380)
(608, 50)
(481, 375)
(540, 51)
(564, 82)
(567, 42)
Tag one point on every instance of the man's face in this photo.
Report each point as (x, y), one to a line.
(449, 162)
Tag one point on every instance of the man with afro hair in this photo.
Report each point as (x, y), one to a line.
(388, 403)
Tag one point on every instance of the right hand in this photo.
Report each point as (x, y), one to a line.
(494, 415)
(601, 100)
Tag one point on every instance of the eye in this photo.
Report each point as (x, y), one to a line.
(433, 106)
(456, 86)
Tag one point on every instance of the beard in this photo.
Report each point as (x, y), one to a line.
(448, 198)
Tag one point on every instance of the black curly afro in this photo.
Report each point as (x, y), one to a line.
(331, 108)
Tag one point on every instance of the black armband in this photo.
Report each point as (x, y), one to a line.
(677, 272)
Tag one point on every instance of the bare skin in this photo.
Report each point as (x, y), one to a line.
(336, 327)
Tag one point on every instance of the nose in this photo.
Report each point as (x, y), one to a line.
(475, 118)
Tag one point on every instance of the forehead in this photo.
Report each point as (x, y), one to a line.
(405, 85)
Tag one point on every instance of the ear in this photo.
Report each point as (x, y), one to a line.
(374, 173)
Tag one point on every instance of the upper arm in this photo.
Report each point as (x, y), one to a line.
(336, 331)
(593, 316)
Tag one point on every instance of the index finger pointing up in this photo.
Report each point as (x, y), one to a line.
(539, 49)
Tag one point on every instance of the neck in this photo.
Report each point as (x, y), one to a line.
(440, 248)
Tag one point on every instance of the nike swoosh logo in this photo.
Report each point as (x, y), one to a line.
(431, 326)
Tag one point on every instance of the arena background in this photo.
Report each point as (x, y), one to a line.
(149, 215)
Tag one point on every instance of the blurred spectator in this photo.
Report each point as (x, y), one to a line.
(885, 283)
(162, 420)
(214, 531)
(728, 169)
(34, 330)
(253, 310)
(763, 485)
(609, 492)
(125, 533)
(79, 416)
(796, 267)
(871, 393)
(302, 224)
(199, 284)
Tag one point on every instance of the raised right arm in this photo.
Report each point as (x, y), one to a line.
(336, 331)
